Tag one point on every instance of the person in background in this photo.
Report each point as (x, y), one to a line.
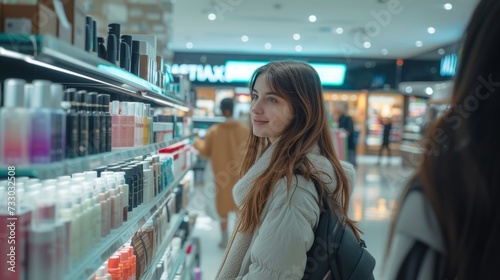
(386, 134)
(289, 149)
(345, 122)
(448, 221)
(224, 144)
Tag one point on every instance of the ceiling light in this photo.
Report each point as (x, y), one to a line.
(354, 98)
(212, 16)
(419, 44)
(244, 38)
(267, 45)
(335, 97)
(189, 45)
(409, 89)
(344, 97)
(441, 51)
(312, 18)
(367, 45)
(339, 30)
(448, 6)
(298, 48)
(429, 91)
(384, 51)
(431, 30)
(296, 36)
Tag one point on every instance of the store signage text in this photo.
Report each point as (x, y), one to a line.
(201, 73)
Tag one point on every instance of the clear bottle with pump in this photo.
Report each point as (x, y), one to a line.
(14, 124)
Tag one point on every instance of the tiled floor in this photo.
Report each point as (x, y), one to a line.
(373, 198)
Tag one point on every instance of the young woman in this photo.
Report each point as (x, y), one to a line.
(449, 222)
(289, 148)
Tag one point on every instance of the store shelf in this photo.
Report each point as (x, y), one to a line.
(87, 266)
(46, 57)
(76, 165)
(161, 249)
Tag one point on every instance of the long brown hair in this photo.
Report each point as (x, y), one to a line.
(299, 84)
(460, 171)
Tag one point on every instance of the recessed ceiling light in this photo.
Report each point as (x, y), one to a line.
(344, 97)
(448, 6)
(339, 30)
(409, 89)
(189, 45)
(244, 38)
(367, 45)
(312, 18)
(441, 51)
(431, 30)
(296, 36)
(419, 44)
(212, 16)
(429, 91)
(268, 45)
(298, 48)
(384, 51)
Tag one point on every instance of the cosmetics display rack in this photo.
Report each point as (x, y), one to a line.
(108, 245)
(46, 57)
(76, 165)
(178, 267)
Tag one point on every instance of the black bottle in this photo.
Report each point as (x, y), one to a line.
(135, 58)
(129, 180)
(89, 34)
(72, 123)
(101, 49)
(103, 100)
(114, 28)
(112, 48)
(94, 36)
(83, 114)
(94, 124)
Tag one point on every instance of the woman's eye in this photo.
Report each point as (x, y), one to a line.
(273, 100)
(254, 96)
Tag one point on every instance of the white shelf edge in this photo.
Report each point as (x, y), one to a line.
(91, 262)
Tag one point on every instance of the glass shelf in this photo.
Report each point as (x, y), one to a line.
(89, 264)
(76, 165)
(46, 57)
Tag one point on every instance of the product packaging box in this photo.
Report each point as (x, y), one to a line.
(75, 15)
(28, 19)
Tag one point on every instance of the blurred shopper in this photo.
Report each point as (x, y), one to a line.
(448, 224)
(345, 122)
(386, 135)
(224, 145)
(290, 147)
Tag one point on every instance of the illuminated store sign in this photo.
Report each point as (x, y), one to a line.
(241, 72)
(449, 65)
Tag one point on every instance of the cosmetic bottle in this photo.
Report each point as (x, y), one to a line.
(102, 274)
(120, 179)
(94, 124)
(124, 263)
(103, 196)
(135, 57)
(129, 180)
(94, 36)
(114, 268)
(83, 126)
(112, 47)
(115, 198)
(72, 135)
(106, 119)
(80, 218)
(14, 124)
(89, 34)
(128, 57)
(145, 113)
(116, 139)
(130, 122)
(148, 182)
(59, 122)
(114, 28)
(23, 220)
(125, 56)
(101, 48)
(40, 143)
(42, 237)
(88, 212)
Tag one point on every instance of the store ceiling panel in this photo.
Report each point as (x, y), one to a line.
(369, 28)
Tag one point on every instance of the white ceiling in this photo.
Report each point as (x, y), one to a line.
(276, 21)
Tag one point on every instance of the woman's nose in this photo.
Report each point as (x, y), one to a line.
(256, 108)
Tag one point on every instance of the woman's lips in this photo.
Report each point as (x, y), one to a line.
(259, 122)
